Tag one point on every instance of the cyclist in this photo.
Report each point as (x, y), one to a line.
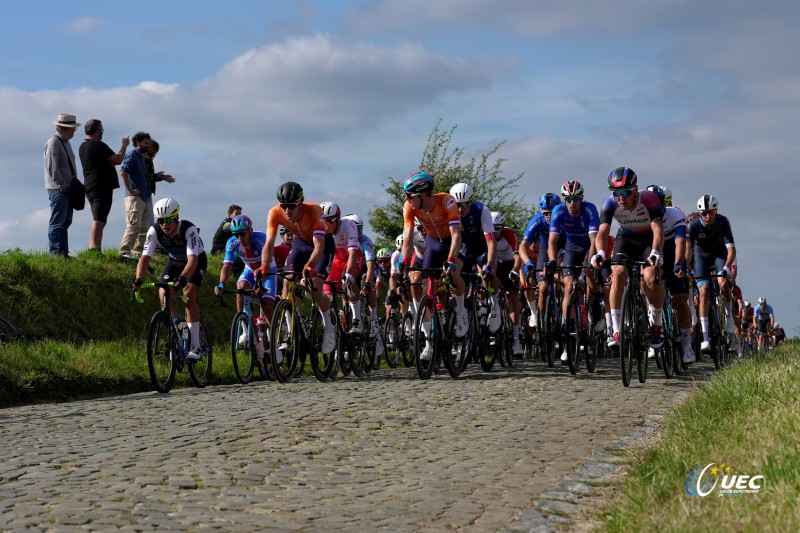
(311, 249)
(186, 265)
(746, 319)
(247, 245)
(478, 248)
(383, 274)
(763, 320)
(347, 260)
(533, 251)
(439, 216)
(641, 235)
(578, 221)
(676, 274)
(393, 292)
(508, 262)
(713, 248)
(778, 335)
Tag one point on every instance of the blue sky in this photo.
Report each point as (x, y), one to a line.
(702, 97)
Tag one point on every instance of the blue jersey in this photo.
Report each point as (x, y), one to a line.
(577, 229)
(367, 248)
(474, 229)
(710, 239)
(764, 313)
(251, 256)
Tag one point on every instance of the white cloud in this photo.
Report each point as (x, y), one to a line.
(84, 25)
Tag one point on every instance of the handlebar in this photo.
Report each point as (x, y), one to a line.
(160, 285)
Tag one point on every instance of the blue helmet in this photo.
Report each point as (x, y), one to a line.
(241, 223)
(549, 201)
(659, 192)
(419, 182)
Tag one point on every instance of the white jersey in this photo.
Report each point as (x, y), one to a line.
(419, 243)
(347, 236)
(674, 219)
(397, 256)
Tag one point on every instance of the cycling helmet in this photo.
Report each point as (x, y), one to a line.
(747, 303)
(548, 201)
(419, 182)
(166, 207)
(659, 192)
(462, 192)
(284, 230)
(667, 196)
(707, 202)
(417, 222)
(762, 300)
(357, 219)
(398, 242)
(330, 209)
(621, 178)
(383, 253)
(290, 193)
(572, 188)
(498, 219)
(241, 223)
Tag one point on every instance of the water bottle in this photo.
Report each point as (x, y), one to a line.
(183, 327)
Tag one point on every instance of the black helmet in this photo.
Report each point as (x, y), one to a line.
(621, 178)
(290, 193)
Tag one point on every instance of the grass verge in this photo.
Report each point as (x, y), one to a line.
(748, 419)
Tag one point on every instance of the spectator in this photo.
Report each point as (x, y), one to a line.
(59, 171)
(134, 177)
(223, 234)
(100, 177)
(153, 176)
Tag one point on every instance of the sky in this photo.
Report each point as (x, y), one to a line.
(702, 97)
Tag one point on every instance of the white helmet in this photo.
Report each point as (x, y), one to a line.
(707, 202)
(667, 196)
(355, 218)
(747, 303)
(417, 223)
(398, 242)
(330, 209)
(498, 219)
(761, 300)
(166, 207)
(462, 192)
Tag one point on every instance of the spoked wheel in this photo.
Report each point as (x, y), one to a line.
(628, 337)
(321, 364)
(666, 352)
(285, 342)
(574, 335)
(200, 370)
(595, 350)
(407, 339)
(715, 337)
(459, 347)
(642, 361)
(392, 340)
(368, 342)
(425, 337)
(551, 328)
(527, 332)
(243, 351)
(162, 352)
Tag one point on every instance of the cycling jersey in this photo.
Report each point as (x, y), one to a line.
(538, 227)
(186, 241)
(764, 313)
(476, 229)
(636, 221)
(438, 221)
(747, 314)
(251, 256)
(711, 239)
(419, 243)
(577, 229)
(397, 256)
(345, 239)
(506, 245)
(311, 222)
(367, 247)
(674, 224)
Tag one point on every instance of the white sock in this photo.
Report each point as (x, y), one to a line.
(704, 327)
(355, 307)
(326, 320)
(616, 315)
(657, 316)
(194, 334)
(460, 304)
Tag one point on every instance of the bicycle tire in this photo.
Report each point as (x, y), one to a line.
(506, 334)
(321, 364)
(425, 314)
(595, 350)
(200, 370)
(526, 332)
(628, 335)
(407, 336)
(643, 342)
(550, 330)
(457, 345)
(392, 340)
(714, 335)
(243, 356)
(162, 351)
(285, 341)
(573, 333)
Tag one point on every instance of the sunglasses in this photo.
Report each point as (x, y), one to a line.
(573, 198)
(622, 193)
(287, 206)
(547, 213)
(166, 220)
(463, 204)
(708, 213)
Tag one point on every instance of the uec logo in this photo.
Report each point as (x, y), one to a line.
(703, 480)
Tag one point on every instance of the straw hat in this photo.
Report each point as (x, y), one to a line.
(66, 121)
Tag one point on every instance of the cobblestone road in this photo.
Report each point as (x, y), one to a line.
(387, 452)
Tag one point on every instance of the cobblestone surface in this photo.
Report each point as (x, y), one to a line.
(383, 453)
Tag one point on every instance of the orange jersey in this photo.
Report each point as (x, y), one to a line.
(311, 222)
(438, 221)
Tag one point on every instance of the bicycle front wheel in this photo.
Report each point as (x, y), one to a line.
(407, 339)
(550, 329)
(285, 341)
(200, 370)
(242, 348)
(628, 336)
(425, 338)
(573, 333)
(392, 340)
(322, 364)
(162, 351)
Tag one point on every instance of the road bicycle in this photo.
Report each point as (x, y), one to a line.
(397, 330)
(9, 332)
(249, 339)
(669, 357)
(489, 347)
(349, 354)
(716, 323)
(576, 330)
(168, 343)
(634, 324)
(550, 320)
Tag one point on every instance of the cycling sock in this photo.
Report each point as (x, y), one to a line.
(355, 307)
(704, 327)
(194, 334)
(373, 313)
(727, 306)
(494, 301)
(657, 316)
(616, 314)
(686, 337)
(516, 332)
(326, 320)
(460, 304)
(608, 319)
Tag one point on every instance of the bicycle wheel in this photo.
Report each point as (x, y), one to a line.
(162, 351)
(200, 370)
(407, 339)
(392, 340)
(526, 332)
(714, 335)
(425, 317)
(573, 333)
(458, 348)
(505, 331)
(628, 336)
(550, 330)
(667, 351)
(642, 361)
(285, 341)
(368, 341)
(321, 364)
(243, 354)
(595, 350)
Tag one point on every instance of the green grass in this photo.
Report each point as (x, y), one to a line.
(747, 417)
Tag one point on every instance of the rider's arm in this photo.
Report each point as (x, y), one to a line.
(455, 240)
(225, 272)
(658, 234)
(191, 264)
(319, 249)
(268, 250)
(141, 266)
(731, 256)
(552, 245)
(524, 247)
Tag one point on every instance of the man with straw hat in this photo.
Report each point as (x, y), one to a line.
(59, 171)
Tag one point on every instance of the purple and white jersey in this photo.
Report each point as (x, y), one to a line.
(637, 220)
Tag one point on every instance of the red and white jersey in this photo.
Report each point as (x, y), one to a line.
(346, 239)
(506, 244)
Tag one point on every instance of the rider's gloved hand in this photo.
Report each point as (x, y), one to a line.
(598, 259)
(680, 270)
(487, 273)
(726, 272)
(309, 272)
(181, 282)
(137, 284)
(529, 268)
(656, 258)
(450, 264)
(550, 266)
(219, 288)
